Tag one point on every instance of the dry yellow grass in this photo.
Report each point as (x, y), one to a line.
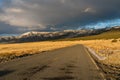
(106, 48)
(102, 47)
(31, 48)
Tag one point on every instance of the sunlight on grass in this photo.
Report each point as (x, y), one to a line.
(107, 48)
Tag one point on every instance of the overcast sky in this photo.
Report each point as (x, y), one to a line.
(17, 16)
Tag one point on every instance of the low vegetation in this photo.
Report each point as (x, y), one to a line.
(11, 51)
(111, 50)
(106, 48)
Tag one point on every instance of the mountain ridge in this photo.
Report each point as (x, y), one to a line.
(46, 36)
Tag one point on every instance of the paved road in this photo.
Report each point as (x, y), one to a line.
(71, 63)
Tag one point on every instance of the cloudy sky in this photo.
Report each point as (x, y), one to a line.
(17, 16)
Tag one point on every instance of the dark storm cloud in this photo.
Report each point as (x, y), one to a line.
(4, 28)
(57, 14)
(7, 29)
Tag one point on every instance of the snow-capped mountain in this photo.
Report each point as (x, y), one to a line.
(42, 36)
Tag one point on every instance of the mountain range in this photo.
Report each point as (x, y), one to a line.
(45, 36)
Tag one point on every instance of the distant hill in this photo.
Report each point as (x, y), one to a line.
(111, 33)
(106, 33)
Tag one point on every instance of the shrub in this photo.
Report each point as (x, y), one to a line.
(114, 40)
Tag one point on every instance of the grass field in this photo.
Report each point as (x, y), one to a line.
(106, 48)
(102, 48)
(10, 51)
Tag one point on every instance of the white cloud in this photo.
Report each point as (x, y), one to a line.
(89, 10)
(14, 10)
(19, 21)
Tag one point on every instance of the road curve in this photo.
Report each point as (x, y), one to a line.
(71, 63)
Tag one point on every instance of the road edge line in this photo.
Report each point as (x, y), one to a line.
(94, 62)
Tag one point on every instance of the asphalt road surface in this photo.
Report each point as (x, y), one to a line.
(71, 63)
